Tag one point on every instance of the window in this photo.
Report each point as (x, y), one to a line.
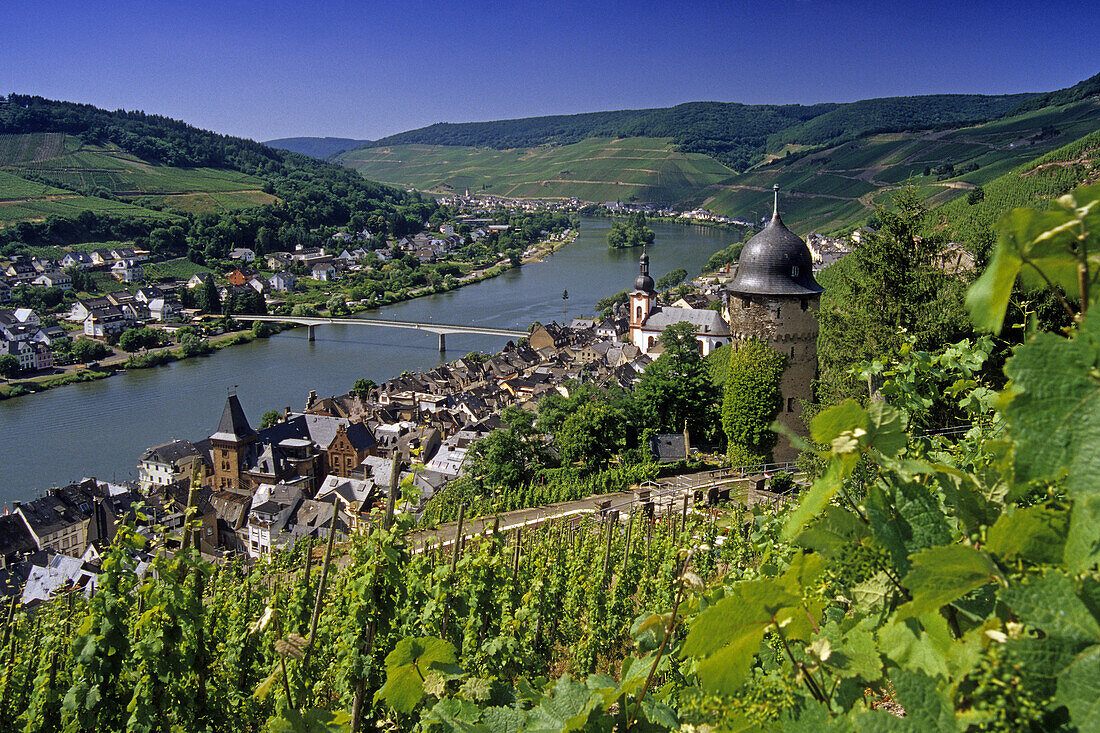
(805, 304)
(794, 271)
(639, 316)
(792, 352)
(790, 404)
(744, 302)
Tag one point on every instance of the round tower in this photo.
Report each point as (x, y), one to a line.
(774, 298)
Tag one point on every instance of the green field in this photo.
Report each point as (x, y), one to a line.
(596, 169)
(825, 189)
(76, 168)
(180, 268)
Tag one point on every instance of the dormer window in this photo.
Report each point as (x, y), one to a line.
(794, 271)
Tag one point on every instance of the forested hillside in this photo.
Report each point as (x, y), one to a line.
(71, 173)
(316, 147)
(844, 164)
(736, 135)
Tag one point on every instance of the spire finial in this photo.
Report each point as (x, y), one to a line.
(775, 203)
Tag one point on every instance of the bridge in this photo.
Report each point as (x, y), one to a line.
(440, 329)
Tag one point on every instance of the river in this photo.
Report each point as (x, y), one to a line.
(101, 428)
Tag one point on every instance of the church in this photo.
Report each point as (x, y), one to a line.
(773, 298)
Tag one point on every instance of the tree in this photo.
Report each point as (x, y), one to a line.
(672, 279)
(630, 233)
(85, 350)
(262, 329)
(591, 435)
(363, 387)
(9, 365)
(502, 459)
(888, 289)
(677, 388)
(271, 417)
(135, 339)
(751, 402)
(209, 301)
(337, 305)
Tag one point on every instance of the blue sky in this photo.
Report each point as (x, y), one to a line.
(368, 69)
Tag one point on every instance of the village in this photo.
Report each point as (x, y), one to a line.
(331, 465)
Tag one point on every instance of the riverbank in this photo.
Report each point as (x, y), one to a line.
(121, 363)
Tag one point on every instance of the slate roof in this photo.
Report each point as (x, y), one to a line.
(775, 262)
(234, 425)
(706, 321)
(170, 452)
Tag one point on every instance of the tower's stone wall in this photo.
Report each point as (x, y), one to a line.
(788, 324)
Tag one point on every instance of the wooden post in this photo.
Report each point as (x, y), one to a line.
(626, 541)
(612, 520)
(684, 513)
(458, 536)
(391, 500)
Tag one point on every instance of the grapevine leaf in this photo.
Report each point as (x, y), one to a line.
(943, 574)
(874, 592)
(817, 498)
(926, 707)
(312, 721)
(846, 418)
(886, 434)
(1083, 541)
(1036, 534)
(264, 688)
(854, 653)
(407, 666)
(725, 671)
(1054, 410)
(803, 572)
(1079, 689)
(567, 710)
(987, 299)
(1050, 604)
(909, 645)
(725, 637)
(748, 607)
(833, 530)
(658, 713)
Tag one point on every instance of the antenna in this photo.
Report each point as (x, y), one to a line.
(775, 204)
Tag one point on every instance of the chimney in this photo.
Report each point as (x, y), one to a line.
(286, 414)
(687, 440)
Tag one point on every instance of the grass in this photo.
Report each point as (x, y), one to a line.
(180, 268)
(76, 168)
(596, 169)
(826, 189)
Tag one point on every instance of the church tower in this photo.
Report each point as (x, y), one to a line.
(229, 445)
(643, 298)
(774, 298)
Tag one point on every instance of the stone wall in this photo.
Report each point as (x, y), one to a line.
(787, 324)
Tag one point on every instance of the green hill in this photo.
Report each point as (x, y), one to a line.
(72, 173)
(84, 176)
(594, 169)
(737, 135)
(316, 147)
(827, 186)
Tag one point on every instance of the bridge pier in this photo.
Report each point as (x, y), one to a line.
(442, 343)
(309, 330)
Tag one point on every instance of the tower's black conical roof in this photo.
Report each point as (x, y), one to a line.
(643, 282)
(233, 425)
(775, 262)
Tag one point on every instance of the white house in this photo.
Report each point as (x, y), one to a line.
(127, 271)
(54, 279)
(167, 463)
(281, 282)
(243, 254)
(323, 271)
(272, 506)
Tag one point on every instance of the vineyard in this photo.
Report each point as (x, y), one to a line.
(946, 582)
